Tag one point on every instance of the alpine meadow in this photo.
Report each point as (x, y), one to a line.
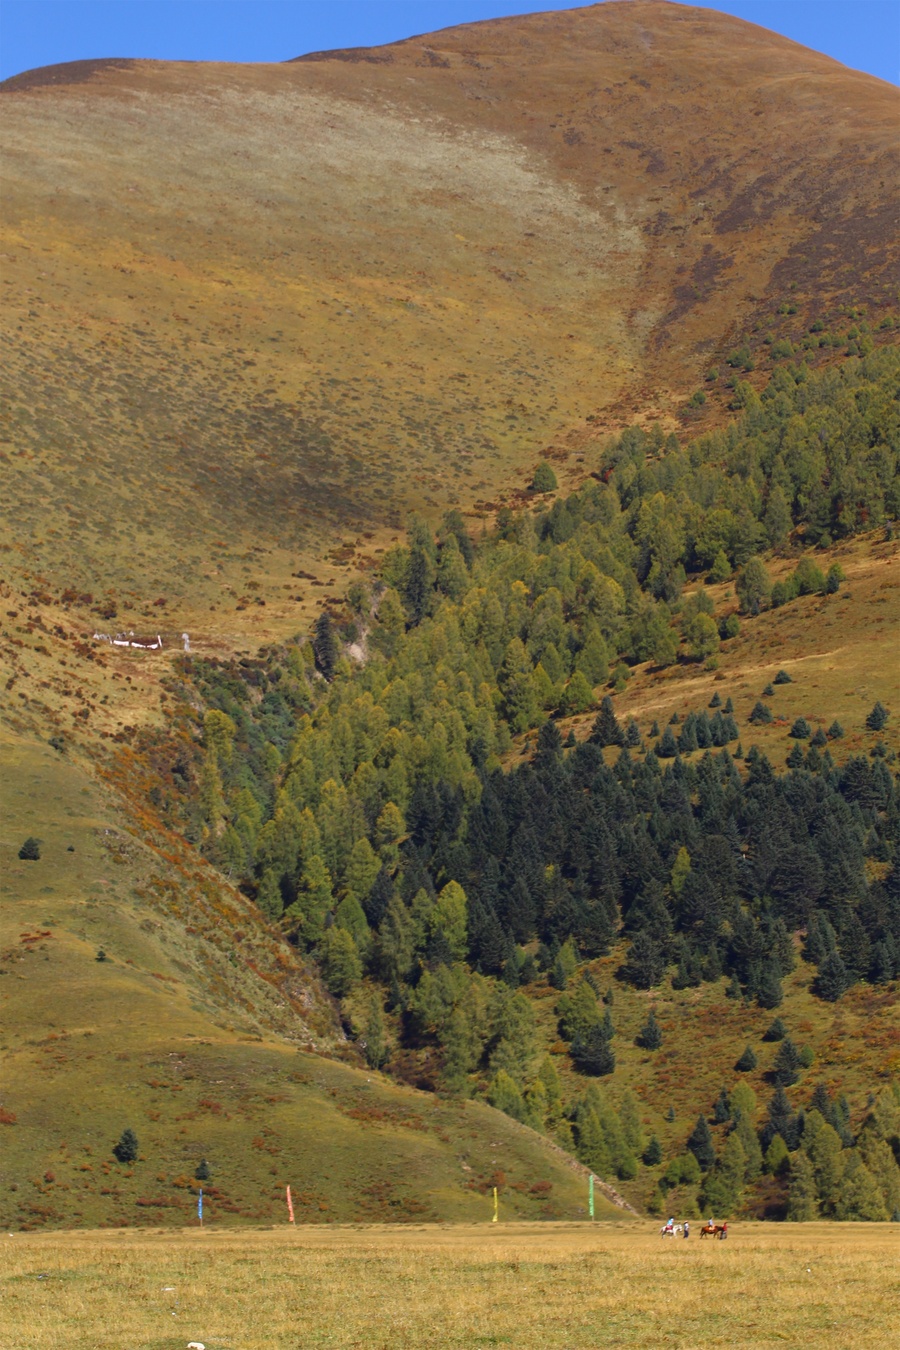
(451, 721)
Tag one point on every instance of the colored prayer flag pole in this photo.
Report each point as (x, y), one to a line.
(591, 1195)
(494, 1219)
(200, 1206)
(290, 1206)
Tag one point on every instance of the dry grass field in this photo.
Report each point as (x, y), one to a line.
(528, 1286)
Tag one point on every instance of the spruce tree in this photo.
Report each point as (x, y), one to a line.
(747, 1061)
(325, 645)
(667, 747)
(126, 1150)
(646, 962)
(701, 1145)
(785, 1070)
(606, 729)
(30, 850)
(769, 993)
(202, 1173)
(650, 1036)
(776, 1031)
(877, 717)
(652, 1155)
(832, 980)
(721, 1108)
(592, 1053)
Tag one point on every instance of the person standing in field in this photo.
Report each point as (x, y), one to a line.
(687, 1228)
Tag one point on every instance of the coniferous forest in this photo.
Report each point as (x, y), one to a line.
(375, 812)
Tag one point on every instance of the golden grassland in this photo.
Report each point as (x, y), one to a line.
(282, 304)
(386, 1288)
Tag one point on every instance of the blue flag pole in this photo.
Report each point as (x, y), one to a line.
(200, 1206)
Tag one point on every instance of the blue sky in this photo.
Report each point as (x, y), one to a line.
(864, 34)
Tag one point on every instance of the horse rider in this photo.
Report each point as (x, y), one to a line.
(670, 1227)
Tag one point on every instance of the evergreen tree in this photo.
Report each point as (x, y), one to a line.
(203, 1172)
(877, 717)
(787, 1064)
(650, 1036)
(30, 850)
(721, 1108)
(832, 980)
(606, 729)
(760, 716)
(701, 1145)
(653, 1152)
(769, 993)
(835, 731)
(775, 1031)
(325, 645)
(667, 748)
(781, 1120)
(126, 1150)
(592, 1053)
(544, 479)
(646, 962)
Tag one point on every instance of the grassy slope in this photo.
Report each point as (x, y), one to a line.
(200, 1055)
(163, 464)
(285, 303)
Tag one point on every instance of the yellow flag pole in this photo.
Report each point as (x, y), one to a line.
(494, 1219)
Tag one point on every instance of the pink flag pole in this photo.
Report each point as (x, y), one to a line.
(289, 1205)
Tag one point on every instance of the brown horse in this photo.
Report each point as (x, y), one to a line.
(716, 1230)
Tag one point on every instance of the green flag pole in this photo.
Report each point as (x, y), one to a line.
(591, 1195)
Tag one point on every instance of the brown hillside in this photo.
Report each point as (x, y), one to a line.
(273, 306)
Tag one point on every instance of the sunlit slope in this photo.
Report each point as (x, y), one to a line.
(194, 1032)
(274, 306)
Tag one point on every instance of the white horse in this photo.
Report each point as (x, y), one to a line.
(674, 1231)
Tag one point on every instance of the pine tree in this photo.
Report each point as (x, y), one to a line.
(30, 850)
(126, 1150)
(203, 1172)
(701, 1145)
(775, 1031)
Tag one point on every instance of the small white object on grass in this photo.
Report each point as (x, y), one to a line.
(196, 1345)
